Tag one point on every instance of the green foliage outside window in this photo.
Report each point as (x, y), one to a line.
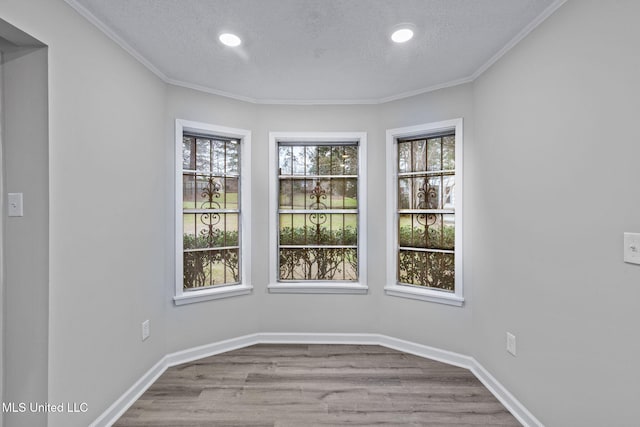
(318, 263)
(210, 267)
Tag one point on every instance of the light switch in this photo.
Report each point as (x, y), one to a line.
(632, 248)
(15, 204)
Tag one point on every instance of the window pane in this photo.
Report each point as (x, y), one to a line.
(419, 155)
(287, 232)
(203, 155)
(208, 192)
(318, 264)
(311, 165)
(405, 230)
(448, 188)
(448, 153)
(233, 157)
(339, 193)
(298, 193)
(286, 194)
(188, 191)
(285, 160)
(210, 229)
(230, 264)
(441, 271)
(441, 231)
(428, 269)
(190, 240)
(318, 229)
(350, 160)
(407, 268)
(231, 237)
(431, 193)
(426, 235)
(324, 160)
(314, 225)
(434, 151)
(404, 156)
(351, 193)
(218, 270)
(426, 192)
(344, 229)
(319, 192)
(210, 268)
(215, 186)
(230, 193)
(218, 157)
(337, 161)
(412, 230)
(405, 193)
(196, 269)
(299, 159)
(334, 193)
(188, 155)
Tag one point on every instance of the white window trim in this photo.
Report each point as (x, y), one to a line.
(181, 297)
(317, 287)
(404, 291)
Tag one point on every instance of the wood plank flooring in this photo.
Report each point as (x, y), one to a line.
(316, 385)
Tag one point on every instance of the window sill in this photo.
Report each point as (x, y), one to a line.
(317, 288)
(424, 295)
(211, 294)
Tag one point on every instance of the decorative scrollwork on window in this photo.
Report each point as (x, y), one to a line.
(426, 219)
(427, 199)
(210, 192)
(427, 196)
(318, 193)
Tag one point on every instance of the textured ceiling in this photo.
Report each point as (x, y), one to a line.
(316, 50)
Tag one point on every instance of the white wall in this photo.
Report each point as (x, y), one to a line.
(548, 161)
(107, 223)
(25, 170)
(557, 146)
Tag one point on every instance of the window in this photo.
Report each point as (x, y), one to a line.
(212, 211)
(317, 212)
(425, 229)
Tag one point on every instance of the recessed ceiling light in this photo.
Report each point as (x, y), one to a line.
(402, 35)
(230, 40)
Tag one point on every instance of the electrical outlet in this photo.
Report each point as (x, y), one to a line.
(511, 343)
(632, 248)
(15, 205)
(145, 330)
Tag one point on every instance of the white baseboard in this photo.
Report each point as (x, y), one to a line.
(115, 411)
(119, 407)
(212, 349)
(514, 406)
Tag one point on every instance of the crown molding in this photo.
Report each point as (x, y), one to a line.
(212, 91)
(84, 12)
(518, 38)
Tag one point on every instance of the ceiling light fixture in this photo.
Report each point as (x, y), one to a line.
(230, 40)
(402, 35)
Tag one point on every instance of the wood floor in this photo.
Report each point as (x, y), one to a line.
(316, 385)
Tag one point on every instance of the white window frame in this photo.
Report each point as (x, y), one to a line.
(392, 287)
(244, 287)
(329, 286)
